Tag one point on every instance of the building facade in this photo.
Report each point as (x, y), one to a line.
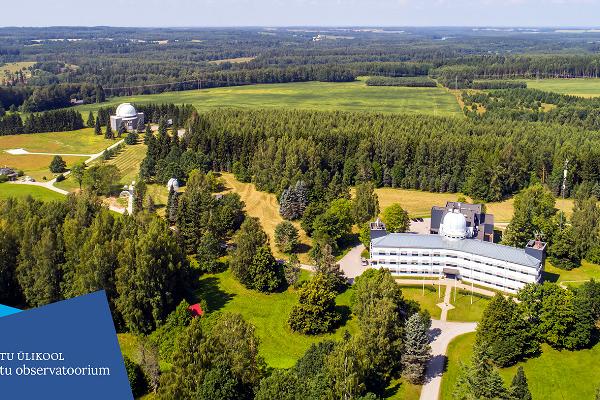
(126, 114)
(454, 252)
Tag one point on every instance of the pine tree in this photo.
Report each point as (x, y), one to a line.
(172, 205)
(328, 266)
(97, 127)
(122, 129)
(91, 122)
(248, 240)
(365, 205)
(519, 389)
(148, 136)
(417, 350)
(109, 133)
(291, 270)
(140, 126)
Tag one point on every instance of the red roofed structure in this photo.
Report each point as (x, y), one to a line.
(196, 310)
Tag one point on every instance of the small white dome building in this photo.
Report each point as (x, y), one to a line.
(173, 184)
(127, 115)
(454, 225)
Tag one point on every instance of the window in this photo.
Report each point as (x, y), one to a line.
(436, 254)
(425, 254)
(415, 254)
(404, 253)
(393, 253)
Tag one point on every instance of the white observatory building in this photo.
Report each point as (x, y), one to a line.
(127, 114)
(455, 251)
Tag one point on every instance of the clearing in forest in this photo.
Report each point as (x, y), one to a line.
(583, 87)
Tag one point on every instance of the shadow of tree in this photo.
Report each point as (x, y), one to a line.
(344, 312)
(551, 277)
(215, 297)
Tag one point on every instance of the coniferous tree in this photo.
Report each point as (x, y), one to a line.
(519, 389)
(109, 133)
(122, 129)
(327, 265)
(148, 135)
(291, 270)
(97, 127)
(58, 165)
(91, 122)
(248, 240)
(417, 350)
(140, 126)
(172, 206)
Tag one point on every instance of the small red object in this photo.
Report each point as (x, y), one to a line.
(196, 310)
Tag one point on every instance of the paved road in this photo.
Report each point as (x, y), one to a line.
(442, 333)
(351, 263)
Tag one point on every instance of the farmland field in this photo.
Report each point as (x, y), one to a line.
(36, 166)
(559, 375)
(350, 96)
(588, 87)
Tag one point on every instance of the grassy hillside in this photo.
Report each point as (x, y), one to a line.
(555, 375)
(577, 87)
(10, 190)
(351, 96)
(74, 142)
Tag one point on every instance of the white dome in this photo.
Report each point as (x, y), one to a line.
(126, 110)
(454, 225)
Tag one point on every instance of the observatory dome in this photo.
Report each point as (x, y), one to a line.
(126, 110)
(454, 225)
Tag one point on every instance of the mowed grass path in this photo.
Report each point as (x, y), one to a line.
(269, 313)
(265, 207)
(584, 87)
(346, 96)
(8, 190)
(555, 375)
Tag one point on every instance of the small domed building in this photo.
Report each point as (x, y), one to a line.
(128, 115)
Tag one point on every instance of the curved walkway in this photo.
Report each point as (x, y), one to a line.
(441, 334)
(50, 184)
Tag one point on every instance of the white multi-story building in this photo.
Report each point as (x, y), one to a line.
(454, 253)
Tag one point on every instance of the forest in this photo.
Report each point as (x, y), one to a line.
(489, 160)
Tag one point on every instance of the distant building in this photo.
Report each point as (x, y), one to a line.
(9, 173)
(127, 114)
(458, 251)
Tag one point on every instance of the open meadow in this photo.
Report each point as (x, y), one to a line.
(8, 190)
(554, 375)
(583, 87)
(347, 96)
(265, 207)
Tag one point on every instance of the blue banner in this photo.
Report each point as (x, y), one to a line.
(65, 350)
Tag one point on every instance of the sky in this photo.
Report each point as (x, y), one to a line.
(212, 13)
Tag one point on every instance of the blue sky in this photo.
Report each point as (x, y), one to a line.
(301, 12)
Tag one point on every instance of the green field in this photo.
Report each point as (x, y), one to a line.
(279, 346)
(555, 375)
(73, 142)
(10, 190)
(588, 87)
(350, 96)
(586, 272)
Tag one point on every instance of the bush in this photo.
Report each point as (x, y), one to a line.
(60, 178)
(137, 380)
(58, 165)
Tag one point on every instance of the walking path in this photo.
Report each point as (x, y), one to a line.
(50, 184)
(441, 334)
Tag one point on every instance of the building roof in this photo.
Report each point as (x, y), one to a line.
(126, 110)
(472, 246)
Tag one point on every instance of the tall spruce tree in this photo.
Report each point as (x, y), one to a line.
(365, 205)
(417, 350)
(109, 133)
(97, 127)
(519, 389)
(91, 122)
(248, 240)
(172, 206)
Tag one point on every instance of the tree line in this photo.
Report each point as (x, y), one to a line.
(49, 121)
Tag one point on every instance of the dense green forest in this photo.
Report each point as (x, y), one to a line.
(488, 160)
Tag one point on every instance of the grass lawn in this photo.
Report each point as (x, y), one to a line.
(265, 207)
(503, 211)
(465, 311)
(401, 389)
(268, 313)
(82, 141)
(8, 190)
(586, 272)
(348, 96)
(34, 165)
(589, 87)
(555, 375)
(428, 301)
